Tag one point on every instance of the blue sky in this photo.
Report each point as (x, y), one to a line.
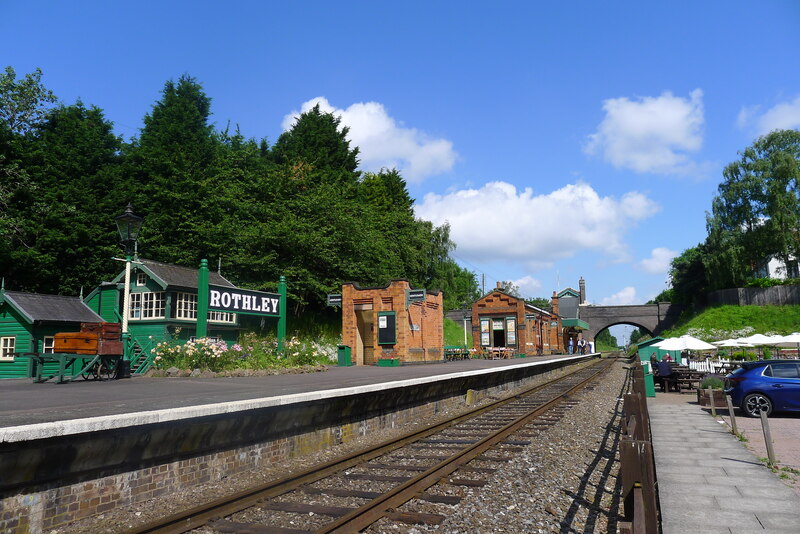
(558, 140)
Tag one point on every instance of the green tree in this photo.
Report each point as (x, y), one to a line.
(318, 140)
(605, 341)
(510, 287)
(688, 277)
(23, 103)
(65, 236)
(174, 159)
(756, 213)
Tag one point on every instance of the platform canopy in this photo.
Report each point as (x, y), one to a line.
(575, 323)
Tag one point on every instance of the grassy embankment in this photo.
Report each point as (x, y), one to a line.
(454, 333)
(738, 321)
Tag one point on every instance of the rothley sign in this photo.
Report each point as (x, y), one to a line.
(235, 300)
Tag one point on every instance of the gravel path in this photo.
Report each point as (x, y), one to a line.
(564, 481)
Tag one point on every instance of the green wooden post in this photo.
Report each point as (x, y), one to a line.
(202, 300)
(282, 317)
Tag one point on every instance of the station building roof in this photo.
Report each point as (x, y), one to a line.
(38, 308)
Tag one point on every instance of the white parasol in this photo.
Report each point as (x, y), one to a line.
(685, 342)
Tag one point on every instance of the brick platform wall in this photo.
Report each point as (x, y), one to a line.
(48, 506)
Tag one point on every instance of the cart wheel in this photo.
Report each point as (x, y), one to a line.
(91, 373)
(108, 369)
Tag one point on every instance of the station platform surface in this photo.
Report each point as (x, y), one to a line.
(23, 403)
(708, 481)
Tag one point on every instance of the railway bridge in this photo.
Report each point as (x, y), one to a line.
(653, 318)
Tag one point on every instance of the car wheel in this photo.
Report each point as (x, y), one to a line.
(755, 403)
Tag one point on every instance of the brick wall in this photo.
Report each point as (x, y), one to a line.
(49, 506)
(419, 329)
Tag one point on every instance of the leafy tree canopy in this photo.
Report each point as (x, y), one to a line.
(23, 103)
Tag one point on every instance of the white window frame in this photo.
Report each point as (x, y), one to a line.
(48, 344)
(141, 279)
(147, 305)
(221, 317)
(186, 306)
(8, 346)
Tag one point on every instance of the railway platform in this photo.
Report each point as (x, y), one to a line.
(707, 479)
(25, 403)
(118, 442)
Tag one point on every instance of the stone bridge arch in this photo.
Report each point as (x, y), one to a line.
(653, 318)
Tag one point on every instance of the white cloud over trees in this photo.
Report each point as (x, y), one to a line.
(651, 134)
(659, 260)
(497, 222)
(385, 143)
(781, 116)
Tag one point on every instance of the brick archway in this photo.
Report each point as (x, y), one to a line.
(652, 317)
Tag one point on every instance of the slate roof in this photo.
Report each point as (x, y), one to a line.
(177, 276)
(39, 308)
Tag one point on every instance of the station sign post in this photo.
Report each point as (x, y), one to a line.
(242, 301)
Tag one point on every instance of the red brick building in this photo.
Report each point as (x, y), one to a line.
(394, 321)
(501, 320)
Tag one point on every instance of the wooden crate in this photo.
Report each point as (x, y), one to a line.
(75, 343)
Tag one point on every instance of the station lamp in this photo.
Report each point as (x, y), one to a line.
(128, 225)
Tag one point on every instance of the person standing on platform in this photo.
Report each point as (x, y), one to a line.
(570, 345)
(581, 346)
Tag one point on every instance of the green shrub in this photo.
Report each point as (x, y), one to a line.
(712, 382)
(744, 355)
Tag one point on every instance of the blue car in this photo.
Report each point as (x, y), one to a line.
(768, 385)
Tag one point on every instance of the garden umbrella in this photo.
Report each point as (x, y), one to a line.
(760, 339)
(731, 343)
(685, 342)
(790, 341)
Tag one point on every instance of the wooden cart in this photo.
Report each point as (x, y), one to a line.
(92, 353)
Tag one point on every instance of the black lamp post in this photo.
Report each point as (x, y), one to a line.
(128, 225)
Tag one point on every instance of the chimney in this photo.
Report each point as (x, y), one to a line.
(499, 285)
(582, 291)
(554, 303)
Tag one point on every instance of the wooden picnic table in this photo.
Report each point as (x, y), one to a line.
(93, 366)
(456, 352)
(500, 353)
(688, 379)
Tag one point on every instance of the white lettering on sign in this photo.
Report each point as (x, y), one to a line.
(242, 300)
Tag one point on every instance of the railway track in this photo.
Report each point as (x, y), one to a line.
(425, 468)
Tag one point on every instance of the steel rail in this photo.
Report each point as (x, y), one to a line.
(224, 506)
(376, 509)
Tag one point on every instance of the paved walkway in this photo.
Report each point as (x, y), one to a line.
(708, 481)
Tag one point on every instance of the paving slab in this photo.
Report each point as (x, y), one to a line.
(707, 479)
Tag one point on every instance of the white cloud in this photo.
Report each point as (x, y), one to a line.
(622, 298)
(783, 116)
(385, 143)
(528, 286)
(499, 223)
(651, 134)
(659, 260)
